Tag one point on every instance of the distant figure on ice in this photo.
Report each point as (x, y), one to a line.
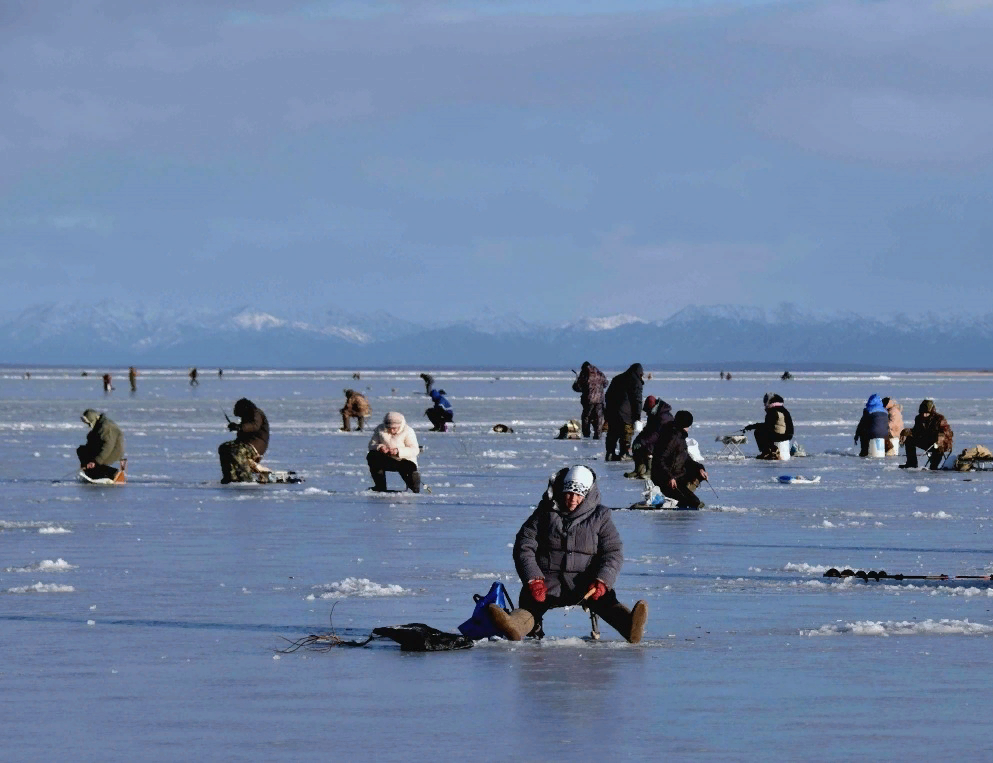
(931, 433)
(133, 378)
(194, 382)
(240, 455)
(104, 445)
(393, 448)
(441, 414)
(673, 471)
(659, 412)
(895, 412)
(623, 408)
(567, 552)
(786, 376)
(777, 427)
(571, 430)
(590, 383)
(107, 385)
(875, 423)
(428, 383)
(220, 372)
(722, 375)
(356, 406)
(728, 376)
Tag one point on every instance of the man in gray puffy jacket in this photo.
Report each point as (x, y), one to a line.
(568, 552)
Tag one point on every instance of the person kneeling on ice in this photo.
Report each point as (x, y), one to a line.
(931, 433)
(441, 413)
(393, 448)
(357, 407)
(874, 424)
(777, 427)
(659, 413)
(104, 445)
(673, 471)
(568, 552)
(240, 455)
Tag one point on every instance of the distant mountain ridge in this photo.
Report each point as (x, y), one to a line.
(111, 334)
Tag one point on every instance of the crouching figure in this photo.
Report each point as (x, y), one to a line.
(393, 448)
(356, 407)
(569, 552)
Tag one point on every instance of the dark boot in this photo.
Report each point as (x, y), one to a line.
(630, 623)
(413, 481)
(515, 626)
(911, 457)
(378, 480)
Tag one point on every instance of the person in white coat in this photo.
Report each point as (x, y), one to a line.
(393, 448)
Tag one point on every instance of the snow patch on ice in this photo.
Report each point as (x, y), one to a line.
(53, 530)
(921, 489)
(315, 491)
(810, 569)
(499, 454)
(935, 515)
(40, 587)
(903, 628)
(46, 565)
(362, 587)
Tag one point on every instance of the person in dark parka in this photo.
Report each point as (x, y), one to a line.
(623, 408)
(673, 471)
(567, 552)
(931, 433)
(248, 447)
(104, 445)
(874, 424)
(658, 412)
(777, 427)
(590, 384)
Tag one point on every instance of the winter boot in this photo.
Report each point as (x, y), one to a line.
(378, 480)
(630, 623)
(516, 625)
(414, 482)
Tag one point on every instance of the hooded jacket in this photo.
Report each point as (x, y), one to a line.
(658, 417)
(356, 404)
(254, 426)
(931, 428)
(569, 549)
(875, 421)
(104, 442)
(405, 441)
(672, 459)
(623, 398)
(440, 401)
(590, 384)
(895, 412)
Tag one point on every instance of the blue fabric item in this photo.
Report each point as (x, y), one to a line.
(440, 400)
(875, 405)
(480, 625)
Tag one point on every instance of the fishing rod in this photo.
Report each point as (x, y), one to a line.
(712, 488)
(883, 575)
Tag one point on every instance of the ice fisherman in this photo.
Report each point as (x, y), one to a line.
(108, 385)
(658, 412)
(777, 427)
(931, 433)
(240, 455)
(590, 383)
(357, 407)
(133, 378)
(393, 448)
(428, 383)
(895, 412)
(623, 409)
(104, 445)
(874, 424)
(441, 413)
(673, 471)
(193, 377)
(567, 552)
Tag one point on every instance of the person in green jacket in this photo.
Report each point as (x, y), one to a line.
(104, 445)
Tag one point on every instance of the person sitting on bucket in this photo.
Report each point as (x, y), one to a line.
(874, 424)
(567, 552)
(931, 433)
(777, 427)
(104, 445)
(249, 445)
(393, 448)
(673, 471)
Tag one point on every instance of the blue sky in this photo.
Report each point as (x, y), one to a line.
(438, 160)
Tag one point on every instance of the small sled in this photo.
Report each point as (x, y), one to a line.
(789, 479)
(121, 478)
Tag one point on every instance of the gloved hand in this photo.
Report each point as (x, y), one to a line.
(597, 589)
(855, 439)
(749, 428)
(538, 590)
(232, 426)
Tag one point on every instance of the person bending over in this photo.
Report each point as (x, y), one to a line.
(104, 445)
(441, 414)
(393, 448)
(673, 471)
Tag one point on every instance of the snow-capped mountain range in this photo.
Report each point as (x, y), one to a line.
(727, 336)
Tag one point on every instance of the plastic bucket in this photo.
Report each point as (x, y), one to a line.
(895, 445)
(877, 447)
(784, 450)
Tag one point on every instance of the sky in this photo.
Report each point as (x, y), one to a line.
(444, 160)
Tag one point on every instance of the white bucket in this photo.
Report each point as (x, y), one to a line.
(895, 444)
(877, 447)
(784, 450)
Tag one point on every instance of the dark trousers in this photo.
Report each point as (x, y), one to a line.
(767, 440)
(346, 420)
(607, 607)
(380, 463)
(592, 419)
(99, 471)
(618, 432)
(685, 493)
(438, 418)
(934, 455)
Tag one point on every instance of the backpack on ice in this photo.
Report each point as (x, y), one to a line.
(480, 625)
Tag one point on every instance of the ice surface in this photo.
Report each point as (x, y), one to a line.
(189, 586)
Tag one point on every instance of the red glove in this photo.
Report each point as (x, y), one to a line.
(538, 590)
(597, 589)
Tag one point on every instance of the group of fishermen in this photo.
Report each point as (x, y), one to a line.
(882, 419)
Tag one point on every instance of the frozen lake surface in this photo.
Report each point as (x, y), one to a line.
(141, 621)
